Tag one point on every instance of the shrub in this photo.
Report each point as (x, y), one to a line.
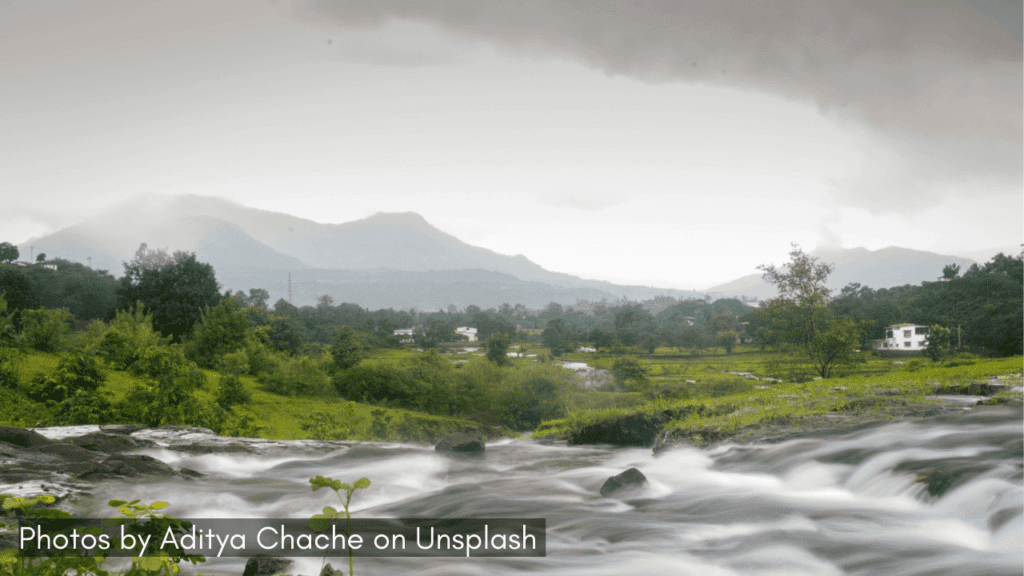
(46, 330)
(128, 334)
(232, 392)
(223, 329)
(75, 374)
(85, 409)
(300, 376)
(629, 374)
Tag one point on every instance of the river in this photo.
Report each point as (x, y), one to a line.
(838, 502)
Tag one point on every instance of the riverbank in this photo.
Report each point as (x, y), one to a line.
(784, 409)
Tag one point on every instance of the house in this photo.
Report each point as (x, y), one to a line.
(903, 338)
(405, 334)
(469, 333)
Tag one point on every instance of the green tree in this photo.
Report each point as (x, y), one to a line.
(346, 348)
(8, 252)
(803, 301)
(834, 345)
(937, 343)
(46, 330)
(802, 284)
(630, 374)
(557, 337)
(497, 349)
(223, 329)
(175, 290)
(41, 257)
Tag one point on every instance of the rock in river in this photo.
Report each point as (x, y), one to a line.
(469, 440)
(631, 478)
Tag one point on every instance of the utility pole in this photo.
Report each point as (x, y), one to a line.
(90, 261)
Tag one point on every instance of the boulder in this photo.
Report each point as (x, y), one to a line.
(628, 430)
(69, 452)
(23, 438)
(125, 466)
(105, 442)
(265, 566)
(468, 441)
(630, 479)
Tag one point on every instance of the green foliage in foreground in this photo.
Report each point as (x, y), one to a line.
(163, 562)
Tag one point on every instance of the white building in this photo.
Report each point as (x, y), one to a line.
(469, 333)
(405, 334)
(904, 337)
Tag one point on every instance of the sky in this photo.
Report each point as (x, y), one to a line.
(676, 144)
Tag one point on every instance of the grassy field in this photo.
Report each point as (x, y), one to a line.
(704, 397)
(700, 396)
(268, 415)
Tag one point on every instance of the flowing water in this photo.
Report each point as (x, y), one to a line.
(842, 502)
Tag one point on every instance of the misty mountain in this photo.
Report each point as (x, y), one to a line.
(883, 268)
(398, 258)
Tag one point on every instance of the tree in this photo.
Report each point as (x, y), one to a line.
(41, 257)
(223, 329)
(346, 349)
(258, 298)
(8, 252)
(175, 290)
(803, 304)
(802, 284)
(950, 271)
(497, 349)
(937, 343)
(629, 374)
(556, 337)
(834, 345)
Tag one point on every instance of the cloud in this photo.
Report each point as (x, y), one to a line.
(921, 74)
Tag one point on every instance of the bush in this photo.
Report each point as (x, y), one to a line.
(46, 330)
(299, 376)
(85, 409)
(76, 374)
(127, 336)
(223, 329)
(629, 374)
(232, 392)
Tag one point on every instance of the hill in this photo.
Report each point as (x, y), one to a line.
(387, 260)
(884, 268)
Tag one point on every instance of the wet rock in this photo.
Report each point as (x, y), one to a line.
(265, 566)
(68, 452)
(214, 448)
(125, 466)
(630, 479)
(105, 442)
(628, 430)
(122, 429)
(469, 440)
(23, 438)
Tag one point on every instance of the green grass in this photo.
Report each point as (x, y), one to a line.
(881, 388)
(274, 416)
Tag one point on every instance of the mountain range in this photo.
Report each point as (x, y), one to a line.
(391, 260)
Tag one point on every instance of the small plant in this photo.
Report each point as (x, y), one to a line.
(319, 522)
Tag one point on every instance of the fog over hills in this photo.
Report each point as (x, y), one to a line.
(883, 268)
(387, 260)
(394, 259)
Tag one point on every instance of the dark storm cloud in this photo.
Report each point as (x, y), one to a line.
(921, 73)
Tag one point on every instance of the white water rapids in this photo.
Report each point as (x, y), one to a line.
(841, 502)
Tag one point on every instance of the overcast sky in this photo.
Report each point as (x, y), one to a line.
(677, 144)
